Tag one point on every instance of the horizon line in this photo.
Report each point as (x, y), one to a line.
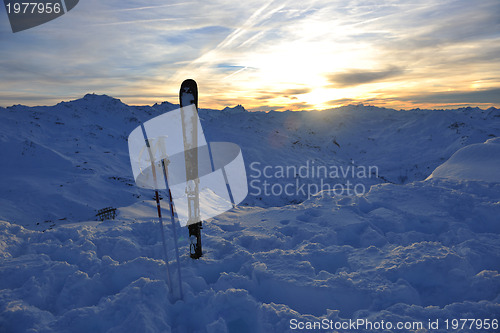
(275, 108)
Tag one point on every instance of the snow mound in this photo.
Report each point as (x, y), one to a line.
(475, 162)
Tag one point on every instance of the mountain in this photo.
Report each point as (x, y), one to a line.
(373, 220)
(67, 161)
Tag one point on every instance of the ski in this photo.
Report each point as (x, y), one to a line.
(188, 95)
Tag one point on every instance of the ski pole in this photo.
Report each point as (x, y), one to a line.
(158, 207)
(172, 219)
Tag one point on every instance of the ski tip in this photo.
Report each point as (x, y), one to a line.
(188, 93)
(189, 86)
(189, 83)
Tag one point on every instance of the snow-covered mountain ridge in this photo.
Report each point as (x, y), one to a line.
(68, 160)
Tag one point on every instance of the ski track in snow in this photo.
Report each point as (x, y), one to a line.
(421, 248)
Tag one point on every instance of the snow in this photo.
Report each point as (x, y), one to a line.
(421, 243)
(475, 162)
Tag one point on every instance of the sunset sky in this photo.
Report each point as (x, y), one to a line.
(296, 55)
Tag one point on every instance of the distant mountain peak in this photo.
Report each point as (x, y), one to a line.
(236, 109)
(97, 97)
(95, 101)
(166, 106)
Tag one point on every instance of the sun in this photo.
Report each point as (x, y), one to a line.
(298, 69)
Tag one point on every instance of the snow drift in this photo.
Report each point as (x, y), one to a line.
(475, 162)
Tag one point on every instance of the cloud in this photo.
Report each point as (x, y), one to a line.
(264, 97)
(271, 96)
(445, 99)
(267, 108)
(342, 101)
(296, 91)
(460, 21)
(484, 96)
(300, 106)
(355, 77)
(294, 107)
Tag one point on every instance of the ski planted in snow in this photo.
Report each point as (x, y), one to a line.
(188, 95)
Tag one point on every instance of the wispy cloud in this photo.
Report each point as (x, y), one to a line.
(444, 99)
(235, 73)
(483, 96)
(137, 21)
(296, 91)
(354, 77)
(133, 9)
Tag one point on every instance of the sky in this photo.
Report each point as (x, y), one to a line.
(265, 55)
